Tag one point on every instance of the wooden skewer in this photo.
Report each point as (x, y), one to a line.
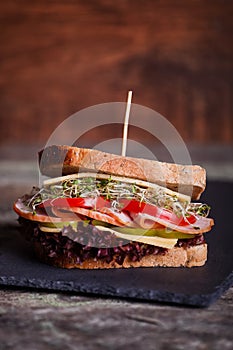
(126, 124)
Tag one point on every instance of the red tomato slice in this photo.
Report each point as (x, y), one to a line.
(88, 203)
(136, 207)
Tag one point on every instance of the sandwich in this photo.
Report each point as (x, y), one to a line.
(97, 210)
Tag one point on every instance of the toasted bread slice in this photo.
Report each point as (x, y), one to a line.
(64, 160)
(175, 257)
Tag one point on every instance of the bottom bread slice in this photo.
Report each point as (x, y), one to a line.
(175, 257)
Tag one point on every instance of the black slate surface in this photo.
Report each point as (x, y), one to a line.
(196, 286)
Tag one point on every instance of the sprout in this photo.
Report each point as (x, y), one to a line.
(114, 190)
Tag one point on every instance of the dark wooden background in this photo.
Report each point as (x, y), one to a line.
(58, 57)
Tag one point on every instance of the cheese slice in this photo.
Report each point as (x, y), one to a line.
(152, 240)
(49, 229)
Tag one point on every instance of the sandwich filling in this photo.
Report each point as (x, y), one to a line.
(92, 244)
(131, 212)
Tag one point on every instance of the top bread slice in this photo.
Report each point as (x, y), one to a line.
(65, 160)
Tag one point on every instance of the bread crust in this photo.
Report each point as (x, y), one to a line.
(64, 160)
(175, 257)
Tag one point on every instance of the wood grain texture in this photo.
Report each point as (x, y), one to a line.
(39, 320)
(59, 57)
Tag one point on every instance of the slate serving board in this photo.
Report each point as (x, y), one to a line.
(196, 286)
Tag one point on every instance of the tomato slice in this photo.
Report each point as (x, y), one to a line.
(88, 203)
(136, 207)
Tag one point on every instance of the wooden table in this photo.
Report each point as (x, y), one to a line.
(32, 319)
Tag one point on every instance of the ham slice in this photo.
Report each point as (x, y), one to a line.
(120, 216)
(27, 213)
(105, 214)
(63, 214)
(147, 221)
